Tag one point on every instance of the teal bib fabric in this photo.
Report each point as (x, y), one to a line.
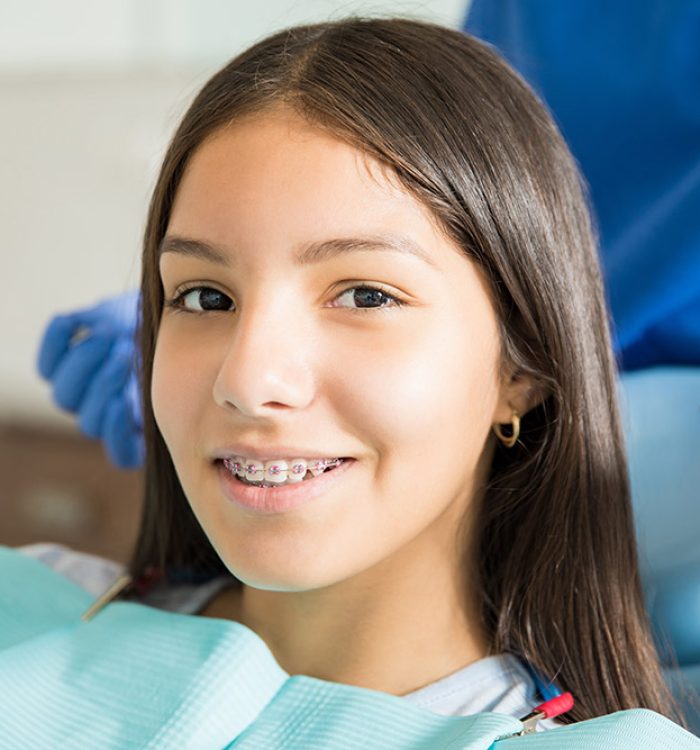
(137, 677)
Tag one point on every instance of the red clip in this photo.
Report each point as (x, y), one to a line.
(556, 706)
(547, 710)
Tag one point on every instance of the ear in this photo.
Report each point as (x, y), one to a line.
(519, 391)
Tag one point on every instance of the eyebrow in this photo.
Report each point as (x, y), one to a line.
(306, 254)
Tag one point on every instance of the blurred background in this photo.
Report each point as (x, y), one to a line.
(91, 92)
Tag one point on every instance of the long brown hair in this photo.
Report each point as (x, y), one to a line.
(557, 561)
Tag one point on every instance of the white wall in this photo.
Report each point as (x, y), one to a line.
(90, 92)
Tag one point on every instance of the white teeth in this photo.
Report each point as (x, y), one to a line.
(277, 471)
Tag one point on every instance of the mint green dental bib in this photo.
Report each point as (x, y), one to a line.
(138, 677)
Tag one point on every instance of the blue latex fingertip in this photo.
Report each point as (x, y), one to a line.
(109, 382)
(54, 345)
(76, 370)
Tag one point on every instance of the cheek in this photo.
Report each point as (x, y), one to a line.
(434, 385)
(176, 388)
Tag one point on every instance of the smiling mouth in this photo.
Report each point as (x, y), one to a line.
(230, 467)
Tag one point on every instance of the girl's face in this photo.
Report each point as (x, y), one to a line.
(296, 355)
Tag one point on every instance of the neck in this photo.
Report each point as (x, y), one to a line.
(393, 628)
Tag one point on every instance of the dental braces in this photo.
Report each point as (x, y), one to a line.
(295, 469)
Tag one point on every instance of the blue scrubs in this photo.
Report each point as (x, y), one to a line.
(623, 82)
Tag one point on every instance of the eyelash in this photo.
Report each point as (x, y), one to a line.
(176, 302)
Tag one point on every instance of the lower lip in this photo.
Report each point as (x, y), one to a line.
(268, 500)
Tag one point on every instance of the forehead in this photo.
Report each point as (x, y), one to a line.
(280, 144)
(277, 176)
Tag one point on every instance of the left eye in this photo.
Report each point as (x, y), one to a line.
(374, 295)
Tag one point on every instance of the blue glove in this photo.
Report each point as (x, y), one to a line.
(90, 358)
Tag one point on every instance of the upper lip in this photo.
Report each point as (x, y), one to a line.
(271, 452)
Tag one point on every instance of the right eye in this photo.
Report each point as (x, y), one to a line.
(207, 298)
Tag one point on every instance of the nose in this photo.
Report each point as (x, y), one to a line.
(265, 364)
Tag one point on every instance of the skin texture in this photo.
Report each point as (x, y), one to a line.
(369, 585)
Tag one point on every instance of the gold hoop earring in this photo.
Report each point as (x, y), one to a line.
(509, 442)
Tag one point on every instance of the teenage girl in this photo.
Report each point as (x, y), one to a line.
(370, 282)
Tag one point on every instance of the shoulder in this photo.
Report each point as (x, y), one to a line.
(90, 572)
(95, 574)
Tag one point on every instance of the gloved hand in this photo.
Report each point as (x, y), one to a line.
(90, 358)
